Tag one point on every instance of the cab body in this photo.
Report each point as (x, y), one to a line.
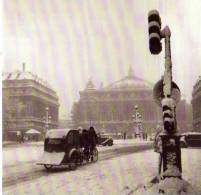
(61, 147)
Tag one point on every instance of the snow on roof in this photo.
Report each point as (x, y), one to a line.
(193, 133)
(130, 82)
(21, 75)
(57, 133)
(32, 131)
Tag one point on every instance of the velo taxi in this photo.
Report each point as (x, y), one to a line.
(63, 147)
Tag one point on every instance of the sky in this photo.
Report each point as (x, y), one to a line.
(68, 42)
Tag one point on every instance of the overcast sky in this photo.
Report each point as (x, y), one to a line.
(66, 42)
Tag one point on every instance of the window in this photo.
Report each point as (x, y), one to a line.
(70, 138)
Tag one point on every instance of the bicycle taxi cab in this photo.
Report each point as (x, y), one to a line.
(61, 147)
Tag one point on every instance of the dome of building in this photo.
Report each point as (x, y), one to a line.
(130, 82)
(90, 85)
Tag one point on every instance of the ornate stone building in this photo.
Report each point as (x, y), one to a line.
(111, 108)
(25, 99)
(196, 105)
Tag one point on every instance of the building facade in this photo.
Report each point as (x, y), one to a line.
(196, 105)
(112, 108)
(25, 101)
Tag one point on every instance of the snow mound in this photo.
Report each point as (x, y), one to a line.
(169, 186)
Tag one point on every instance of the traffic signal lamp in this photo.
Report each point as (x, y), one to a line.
(168, 107)
(158, 93)
(154, 21)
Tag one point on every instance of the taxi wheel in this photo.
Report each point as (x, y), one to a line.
(80, 160)
(94, 157)
(73, 162)
(48, 167)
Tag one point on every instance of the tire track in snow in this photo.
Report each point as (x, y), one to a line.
(30, 171)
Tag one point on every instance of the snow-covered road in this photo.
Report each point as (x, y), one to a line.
(19, 163)
(119, 175)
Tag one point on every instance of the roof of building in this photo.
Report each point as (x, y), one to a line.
(130, 82)
(198, 81)
(24, 75)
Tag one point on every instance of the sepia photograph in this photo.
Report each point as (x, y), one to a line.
(101, 97)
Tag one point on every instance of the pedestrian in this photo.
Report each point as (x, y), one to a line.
(19, 136)
(22, 137)
(158, 149)
(124, 135)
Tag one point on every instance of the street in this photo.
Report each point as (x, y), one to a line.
(19, 162)
(121, 169)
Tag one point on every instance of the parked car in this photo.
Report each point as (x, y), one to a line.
(104, 140)
(183, 143)
(191, 139)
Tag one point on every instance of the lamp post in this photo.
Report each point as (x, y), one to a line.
(47, 119)
(137, 118)
(140, 126)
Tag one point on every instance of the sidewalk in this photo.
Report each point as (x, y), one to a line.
(27, 143)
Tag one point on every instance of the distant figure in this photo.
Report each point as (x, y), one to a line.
(19, 139)
(93, 139)
(124, 135)
(158, 149)
(22, 137)
(144, 136)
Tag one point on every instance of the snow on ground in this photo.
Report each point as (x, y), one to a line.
(29, 152)
(191, 174)
(118, 176)
(104, 177)
(19, 154)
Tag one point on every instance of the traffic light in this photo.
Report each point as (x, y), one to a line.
(154, 21)
(168, 106)
(158, 93)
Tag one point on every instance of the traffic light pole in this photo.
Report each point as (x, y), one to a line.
(168, 63)
(171, 152)
(170, 140)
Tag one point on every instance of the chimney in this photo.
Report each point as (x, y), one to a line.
(23, 67)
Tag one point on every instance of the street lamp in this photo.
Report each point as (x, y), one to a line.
(140, 125)
(47, 118)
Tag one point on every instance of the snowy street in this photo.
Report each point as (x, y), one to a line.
(114, 173)
(19, 161)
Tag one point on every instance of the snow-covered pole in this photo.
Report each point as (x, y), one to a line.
(171, 152)
(168, 103)
(168, 63)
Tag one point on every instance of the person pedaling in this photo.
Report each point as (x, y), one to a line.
(88, 140)
(93, 139)
(85, 143)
